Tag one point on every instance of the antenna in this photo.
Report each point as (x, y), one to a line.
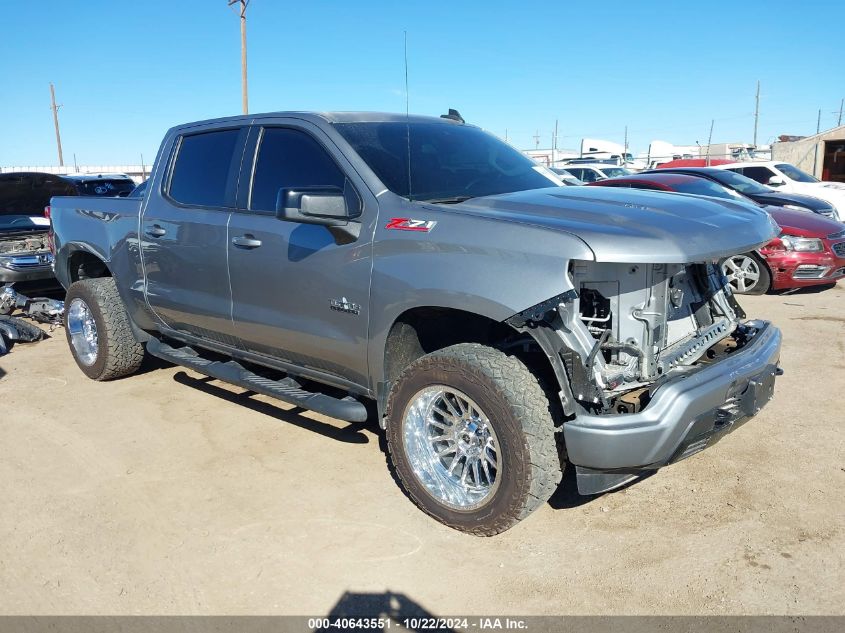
(408, 115)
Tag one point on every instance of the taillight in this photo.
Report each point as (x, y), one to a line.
(47, 212)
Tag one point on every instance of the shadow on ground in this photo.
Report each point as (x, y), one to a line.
(396, 607)
(351, 434)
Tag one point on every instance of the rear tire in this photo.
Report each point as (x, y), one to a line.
(496, 426)
(748, 274)
(98, 330)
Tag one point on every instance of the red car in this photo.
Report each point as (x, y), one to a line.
(810, 250)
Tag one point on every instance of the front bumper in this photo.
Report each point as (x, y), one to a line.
(685, 415)
(796, 270)
(30, 272)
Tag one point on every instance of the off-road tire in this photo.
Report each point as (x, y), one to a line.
(118, 354)
(519, 411)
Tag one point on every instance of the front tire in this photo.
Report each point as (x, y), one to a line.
(471, 438)
(98, 331)
(748, 274)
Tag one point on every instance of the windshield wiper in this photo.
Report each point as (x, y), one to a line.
(452, 200)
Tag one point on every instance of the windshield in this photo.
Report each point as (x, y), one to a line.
(111, 187)
(613, 172)
(702, 187)
(445, 162)
(741, 183)
(793, 173)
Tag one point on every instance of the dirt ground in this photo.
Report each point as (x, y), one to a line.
(165, 493)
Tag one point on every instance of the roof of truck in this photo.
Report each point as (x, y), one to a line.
(332, 117)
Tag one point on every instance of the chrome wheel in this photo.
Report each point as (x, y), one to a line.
(452, 447)
(743, 272)
(83, 331)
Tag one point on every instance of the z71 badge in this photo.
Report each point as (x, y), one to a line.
(409, 224)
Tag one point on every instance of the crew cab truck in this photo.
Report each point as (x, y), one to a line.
(502, 324)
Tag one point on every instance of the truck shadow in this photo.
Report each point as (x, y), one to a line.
(567, 496)
(353, 433)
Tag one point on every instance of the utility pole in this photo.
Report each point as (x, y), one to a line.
(709, 139)
(626, 145)
(819, 122)
(537, 139)
(841, 104)
(244, 98)
(55, 109)
(756, 114)
(555, 139)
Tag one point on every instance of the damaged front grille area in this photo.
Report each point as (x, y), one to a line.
(23, 245)
(646, 320)
(20, 253)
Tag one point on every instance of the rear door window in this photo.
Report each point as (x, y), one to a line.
(289, 158)
(205, 170)
(760, 174)
(106, 187)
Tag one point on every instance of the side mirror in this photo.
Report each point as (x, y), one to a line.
(776, 181)
(328, 206)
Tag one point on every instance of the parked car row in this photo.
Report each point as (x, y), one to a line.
(810, 247)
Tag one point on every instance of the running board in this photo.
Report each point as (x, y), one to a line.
(287, 389)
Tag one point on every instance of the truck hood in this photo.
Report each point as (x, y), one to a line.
(630, 225)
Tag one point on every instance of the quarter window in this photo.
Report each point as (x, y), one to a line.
(289, 158)
(205, 170)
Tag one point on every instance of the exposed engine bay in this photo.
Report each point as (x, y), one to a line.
(24, 245)
(625, 329)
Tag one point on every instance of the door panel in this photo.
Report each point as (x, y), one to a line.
(282, 292)
(184, 235)
(300, 296)
(186, 273)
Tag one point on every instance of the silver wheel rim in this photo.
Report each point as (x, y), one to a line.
(742, 271)
(452, 447)
(83, 331)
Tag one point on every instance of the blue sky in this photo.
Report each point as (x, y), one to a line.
(126, 71)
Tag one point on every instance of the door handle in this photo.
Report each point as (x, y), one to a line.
(155, 231)
(246, 241)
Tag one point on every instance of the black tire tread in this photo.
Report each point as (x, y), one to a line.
(530, 408)
(124, 354)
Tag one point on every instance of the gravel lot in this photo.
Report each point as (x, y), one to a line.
(165, 493)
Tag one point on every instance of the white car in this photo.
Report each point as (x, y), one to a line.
(789, 179)
(591, 172)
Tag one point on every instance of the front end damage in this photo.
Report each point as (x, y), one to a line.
(654, 364)
(25, 257)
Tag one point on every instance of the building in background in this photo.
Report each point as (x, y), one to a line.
(822, 155)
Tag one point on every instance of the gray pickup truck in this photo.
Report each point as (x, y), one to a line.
(502, 325)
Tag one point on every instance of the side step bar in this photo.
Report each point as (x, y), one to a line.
(287, 389)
